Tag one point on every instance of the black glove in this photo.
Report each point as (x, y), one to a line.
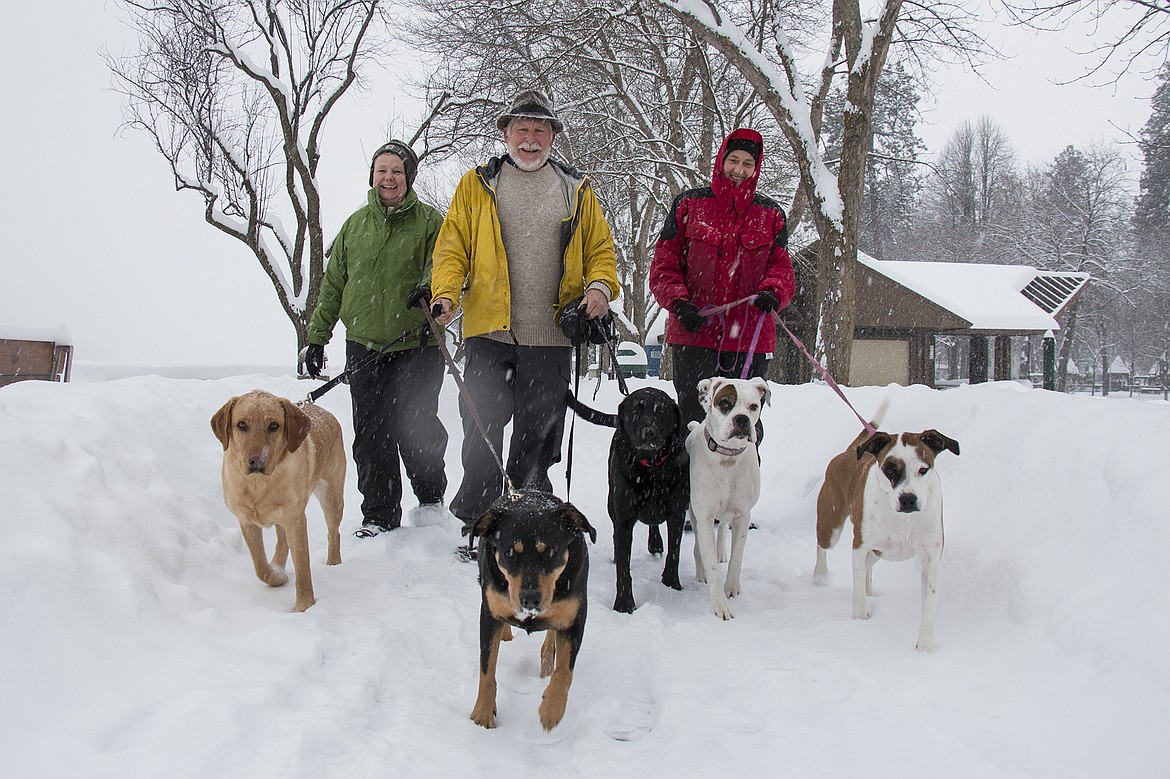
(688, 315)
(419, 295)
(766, 301)
(314, 360)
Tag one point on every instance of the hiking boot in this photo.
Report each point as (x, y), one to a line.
(371, 528)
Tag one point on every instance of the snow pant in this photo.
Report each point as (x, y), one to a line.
(396, 422)
(692, 364)
(525, 385)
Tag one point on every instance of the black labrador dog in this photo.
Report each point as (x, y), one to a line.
(649, 480)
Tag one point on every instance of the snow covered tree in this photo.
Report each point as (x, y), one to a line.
(235, 94)
(972, 198)
(893, 171)
(769, 44)
(1152, 214)
(1077, 214)
(1151, 225)
(645, 105)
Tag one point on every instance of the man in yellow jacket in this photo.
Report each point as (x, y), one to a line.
(524, 237)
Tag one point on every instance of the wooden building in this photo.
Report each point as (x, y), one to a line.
(903, 307)
(33, 353)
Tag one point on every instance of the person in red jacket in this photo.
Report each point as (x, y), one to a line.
(721, 244)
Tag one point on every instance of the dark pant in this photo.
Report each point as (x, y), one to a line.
(525, 385)
(692, 364)
(396, 414)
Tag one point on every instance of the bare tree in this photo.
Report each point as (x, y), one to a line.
(1141, 39)
(973, 197)
(235, 94)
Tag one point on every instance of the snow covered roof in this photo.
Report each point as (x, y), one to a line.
(990, 297)
(58, 334)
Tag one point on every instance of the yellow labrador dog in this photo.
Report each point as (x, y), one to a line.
(274, 456)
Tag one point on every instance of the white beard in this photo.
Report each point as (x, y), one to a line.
(529, 167)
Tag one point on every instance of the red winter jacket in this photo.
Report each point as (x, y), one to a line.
(719, 244)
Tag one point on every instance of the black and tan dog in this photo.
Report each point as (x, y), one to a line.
(533, 574)
(649, 481)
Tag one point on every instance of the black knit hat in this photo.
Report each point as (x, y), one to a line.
(403, 152)
(530, 104)
(744, 144)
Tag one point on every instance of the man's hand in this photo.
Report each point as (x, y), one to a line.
(595, 304)
(448, 311)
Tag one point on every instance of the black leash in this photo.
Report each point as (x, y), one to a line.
(621, 380)
(469, 553)
(344, 375)
(511, 490)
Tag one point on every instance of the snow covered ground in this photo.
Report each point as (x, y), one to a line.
(138, 643)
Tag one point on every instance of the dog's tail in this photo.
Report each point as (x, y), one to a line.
(591, 415)
(879, 414)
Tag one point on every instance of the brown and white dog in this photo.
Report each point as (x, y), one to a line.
(275, 455)
(725, 479)
(886, 483)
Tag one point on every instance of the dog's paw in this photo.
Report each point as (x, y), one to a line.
(303, 604)
(552, 707)
(861, 613)
(731, 589)
(721, 609)
(275, 577)
(624, 605)
(671, 581)
(488, 722)
(925, 643)
(484, 715)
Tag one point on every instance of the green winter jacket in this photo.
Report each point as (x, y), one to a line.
(376, 260)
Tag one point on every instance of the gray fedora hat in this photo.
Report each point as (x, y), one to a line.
(530, 104)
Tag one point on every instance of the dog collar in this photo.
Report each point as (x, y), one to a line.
(714, 446)
(648, 464)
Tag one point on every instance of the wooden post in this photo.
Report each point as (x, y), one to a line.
(977, 360)
(1049, 361)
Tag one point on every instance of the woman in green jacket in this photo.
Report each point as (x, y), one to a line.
(379, 268)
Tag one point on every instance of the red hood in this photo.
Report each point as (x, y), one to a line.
(737, 197)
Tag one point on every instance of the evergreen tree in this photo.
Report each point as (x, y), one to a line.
(893, 175)
(1153, 204)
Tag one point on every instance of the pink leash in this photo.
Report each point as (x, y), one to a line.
(708, 310)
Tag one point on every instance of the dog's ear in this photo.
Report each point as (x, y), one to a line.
(937, 441)
(876, 442)
(485, 524)
(574, 521)
(704, 388)
(296, 424)
(765, 390)
(221, 422)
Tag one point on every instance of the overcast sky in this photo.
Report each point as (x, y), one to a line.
(96, 239)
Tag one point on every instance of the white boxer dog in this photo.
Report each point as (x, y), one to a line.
(725, 478)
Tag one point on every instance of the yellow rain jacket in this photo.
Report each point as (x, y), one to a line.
(469, 252)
